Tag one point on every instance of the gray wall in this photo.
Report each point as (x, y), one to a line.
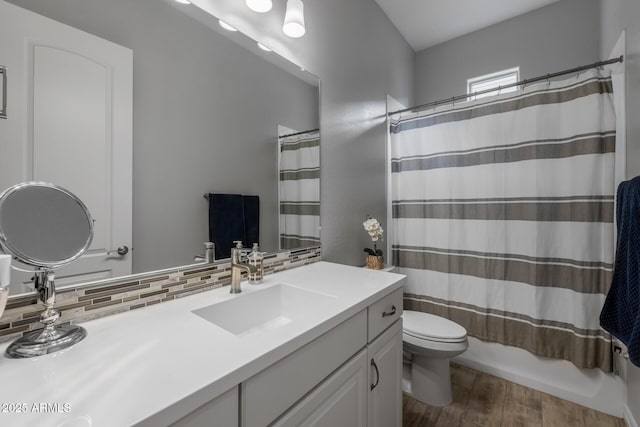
(559, 36)
(205, 116)
(616, 15)
(360, 57)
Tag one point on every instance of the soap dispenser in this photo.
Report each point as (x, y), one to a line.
(256, 258)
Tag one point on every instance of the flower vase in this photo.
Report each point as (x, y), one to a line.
(375, 262)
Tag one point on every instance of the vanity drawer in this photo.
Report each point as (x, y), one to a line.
(384, 312)
(268, 394)
(220, 412)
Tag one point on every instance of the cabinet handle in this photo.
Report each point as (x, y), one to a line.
(390, 313)
(3, 99)
(373, 363)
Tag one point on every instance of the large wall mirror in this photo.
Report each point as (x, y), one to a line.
(212, 117)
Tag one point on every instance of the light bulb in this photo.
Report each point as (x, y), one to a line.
(184, 1)
(226, 26)
(260, 6)
(263, 47)
(294, 19)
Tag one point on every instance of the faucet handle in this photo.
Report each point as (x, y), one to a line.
(239, 253)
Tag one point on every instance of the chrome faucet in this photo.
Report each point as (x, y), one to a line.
(239, 263)
(209, 255)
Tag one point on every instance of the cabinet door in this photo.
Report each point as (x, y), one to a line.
(270, 393)
(385, 378)
(340, 400)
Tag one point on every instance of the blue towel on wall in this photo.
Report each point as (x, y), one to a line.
(233, 217)
(620, 315)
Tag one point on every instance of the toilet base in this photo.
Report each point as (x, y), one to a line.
(430, 381)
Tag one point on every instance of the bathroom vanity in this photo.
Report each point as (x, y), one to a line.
(319, 344)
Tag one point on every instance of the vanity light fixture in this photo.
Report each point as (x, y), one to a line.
(294, 19)
(226, 26)
(263, 47)
(260, 6)
(184, 1)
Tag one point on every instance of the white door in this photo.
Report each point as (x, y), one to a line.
(69, 122)
(385, 378)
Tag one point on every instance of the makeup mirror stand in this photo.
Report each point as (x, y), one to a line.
(52, 337)
(44, 239)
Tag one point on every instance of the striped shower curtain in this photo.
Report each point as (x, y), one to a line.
(300, 190)
(503, 215)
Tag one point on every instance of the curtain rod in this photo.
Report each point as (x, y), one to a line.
(520, 83)
(300, 133)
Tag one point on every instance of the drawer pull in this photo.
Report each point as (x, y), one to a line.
(3, 86)
(390, 313)
(373, 363)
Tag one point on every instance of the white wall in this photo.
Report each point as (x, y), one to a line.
(616, 15)
(556, 37)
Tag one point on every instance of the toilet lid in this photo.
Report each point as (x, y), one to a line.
(430, 327)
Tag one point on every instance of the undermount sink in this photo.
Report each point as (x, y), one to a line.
(267, 309)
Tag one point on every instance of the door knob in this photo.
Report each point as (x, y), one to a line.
(122, 250)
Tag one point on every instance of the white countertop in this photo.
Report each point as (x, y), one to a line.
(161, 362)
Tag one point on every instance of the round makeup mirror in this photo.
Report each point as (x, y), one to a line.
(44, 226)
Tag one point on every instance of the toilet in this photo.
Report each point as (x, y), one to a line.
(429, 342)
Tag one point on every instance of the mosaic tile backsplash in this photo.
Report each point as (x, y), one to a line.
(82, 303)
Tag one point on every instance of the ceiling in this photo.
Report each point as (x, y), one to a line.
(426, 23)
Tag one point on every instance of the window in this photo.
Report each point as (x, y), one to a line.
(493, 80)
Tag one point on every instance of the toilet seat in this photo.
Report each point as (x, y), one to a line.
(425, 326)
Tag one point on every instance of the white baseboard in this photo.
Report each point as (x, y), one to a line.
(628, 417)
(587, 387)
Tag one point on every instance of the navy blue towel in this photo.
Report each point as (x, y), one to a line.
(251, 220)
(233, 217)
(620, 315)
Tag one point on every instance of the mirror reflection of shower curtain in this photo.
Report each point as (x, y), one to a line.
(503, 215)
(299, 171)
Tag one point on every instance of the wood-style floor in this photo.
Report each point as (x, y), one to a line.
(480, 399)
